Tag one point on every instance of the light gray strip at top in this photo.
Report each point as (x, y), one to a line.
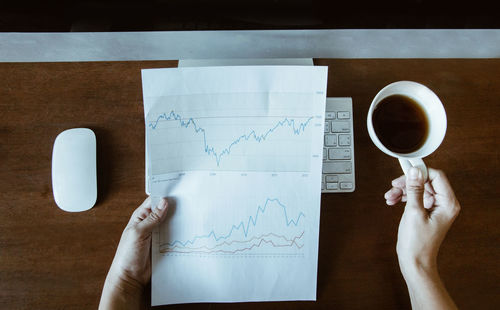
(166, 45)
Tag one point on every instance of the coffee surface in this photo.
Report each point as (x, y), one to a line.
(400, 124)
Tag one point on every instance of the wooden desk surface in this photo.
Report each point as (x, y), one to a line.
(50, 259)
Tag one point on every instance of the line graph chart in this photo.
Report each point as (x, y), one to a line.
(251, 134)
(232, 132)
(228, 248)
(270, 229)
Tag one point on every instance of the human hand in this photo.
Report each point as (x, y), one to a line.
(429, 212)
(131, 267)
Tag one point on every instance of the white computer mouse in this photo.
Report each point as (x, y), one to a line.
(74, 170)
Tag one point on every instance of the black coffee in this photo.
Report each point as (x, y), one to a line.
(400, 124)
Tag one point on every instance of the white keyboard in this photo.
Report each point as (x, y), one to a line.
(338, 147)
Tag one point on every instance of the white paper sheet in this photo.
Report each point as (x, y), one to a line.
(238, 151)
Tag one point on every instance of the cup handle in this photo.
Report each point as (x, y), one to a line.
(418, 163)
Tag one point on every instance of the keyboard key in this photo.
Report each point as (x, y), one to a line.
(330, 115)
(344, 140)
(343, 115)
(339, 153)
(337, 167)
(327, 126)
(330, 186)
(330, 140)
(340, 127)
(323, 186)
(332, 178)
(346, 185)
(324, 153)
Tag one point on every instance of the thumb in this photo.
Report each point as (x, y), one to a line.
(154, 218)
(415, 188)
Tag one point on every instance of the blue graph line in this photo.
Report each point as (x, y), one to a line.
(251, 221)
(210, 150)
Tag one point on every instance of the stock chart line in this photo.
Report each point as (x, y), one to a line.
(256, 245)
(232, 242)
(252, 220)
(210, 150)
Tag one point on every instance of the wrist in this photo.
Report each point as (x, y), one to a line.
(119, 282)
(416, 269)
(120, 293)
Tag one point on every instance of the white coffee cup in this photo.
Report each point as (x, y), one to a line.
(436, 116)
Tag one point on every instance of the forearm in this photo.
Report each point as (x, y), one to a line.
(426, 289)
(120, 294)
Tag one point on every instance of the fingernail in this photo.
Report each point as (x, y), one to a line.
(162, 204)
(413, 173)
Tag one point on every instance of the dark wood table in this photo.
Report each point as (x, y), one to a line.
(51, 259)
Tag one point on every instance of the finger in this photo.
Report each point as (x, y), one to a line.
(449, 204)
(391, 202)
(429, 189)
(154, 218)
(440, 182)
(415, 189)
(399, 182)
(428, 200)
(141, 212)
(393, 194)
